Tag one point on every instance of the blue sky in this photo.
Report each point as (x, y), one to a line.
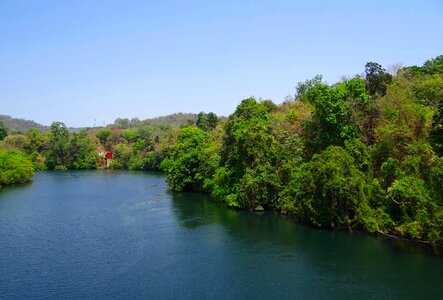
(76, 61)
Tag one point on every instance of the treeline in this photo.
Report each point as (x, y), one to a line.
(364, 153)
(22, 154)
(172, 120)
(135, 145)
(145, 147)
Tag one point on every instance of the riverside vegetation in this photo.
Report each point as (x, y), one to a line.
(364, 153)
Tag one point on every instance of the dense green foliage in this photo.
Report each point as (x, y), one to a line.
(14, 168)
(206, 121)
(135, 144)
(69, 151)
(327, 191)
(376, 79)
(245, 177)
(190, 161)
(364, 153)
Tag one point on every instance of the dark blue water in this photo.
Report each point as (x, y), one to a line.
(123, 235)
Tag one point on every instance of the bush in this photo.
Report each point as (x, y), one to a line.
(14, 168)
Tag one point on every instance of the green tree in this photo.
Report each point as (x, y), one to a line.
(14, 168)
(402, 121)
(248, 148)
(363, 109)
(122, 154)
(150, 161)
(212, 120)
(81, 152)
(430, 67)
(358, 150)
(434, 65)
(35, 141)
(190, 161)
(34, 147)
(377, 79)
(16, 141)
(304, 88)
(420, 159)
(413, 210)
(390, 171)
(429, 90)
(206, 121)
(122, 123)
(331, 120)
(271, 106)
(202, 121)
(328, 191)
(130, 135)
(58, 154)
(135, 122)
(103, 136)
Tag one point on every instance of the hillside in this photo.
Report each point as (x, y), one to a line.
(176, 119)
(16, 125)
(173, 120)
(21, 125)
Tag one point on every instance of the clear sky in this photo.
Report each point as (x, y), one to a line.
(76, 61)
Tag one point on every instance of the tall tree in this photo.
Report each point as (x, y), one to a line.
(57, 155)
(248, 158)
(81, 152)
(206, 121)
(212, 120)
(376, 79)
(188, 163)
(332, 122)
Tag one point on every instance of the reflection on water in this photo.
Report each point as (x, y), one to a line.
(264, 225)
(120, 234)
(363, 264)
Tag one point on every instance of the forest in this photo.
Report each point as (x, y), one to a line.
(364, 153)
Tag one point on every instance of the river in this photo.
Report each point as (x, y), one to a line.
(123, 235)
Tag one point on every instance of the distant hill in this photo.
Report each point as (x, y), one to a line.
(176, 119)
(21, 125)
(15, 125)
(173, 120)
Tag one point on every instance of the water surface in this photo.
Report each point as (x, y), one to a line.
(123, 235)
